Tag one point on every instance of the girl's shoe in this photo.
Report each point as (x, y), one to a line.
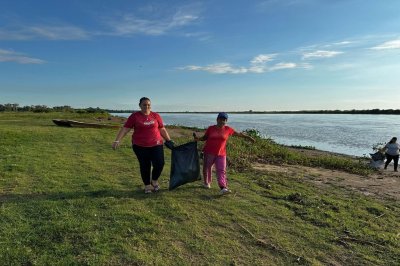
(225, 191)
(207, 185)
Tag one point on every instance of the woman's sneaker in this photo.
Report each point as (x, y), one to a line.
(156, 186)
(224, 191)
(148, 189)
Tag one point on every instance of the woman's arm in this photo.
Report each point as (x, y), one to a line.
(203, 138)
(164, 134)
(121, 134)
(168, 142)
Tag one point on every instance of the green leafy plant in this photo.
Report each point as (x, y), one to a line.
(378, 146)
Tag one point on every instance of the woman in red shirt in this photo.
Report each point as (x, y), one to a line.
(214, 150)
(147, 143)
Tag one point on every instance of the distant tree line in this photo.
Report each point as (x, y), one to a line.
(14, 107)
(119, 111)
(370, 111)
(353, 111)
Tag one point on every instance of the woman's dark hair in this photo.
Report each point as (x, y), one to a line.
(393, 140)
(143, 99)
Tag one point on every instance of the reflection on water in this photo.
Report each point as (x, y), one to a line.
(341, 133)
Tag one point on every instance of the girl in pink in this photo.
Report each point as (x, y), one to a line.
(214, 150)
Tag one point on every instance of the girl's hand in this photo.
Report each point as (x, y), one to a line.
(195, 137)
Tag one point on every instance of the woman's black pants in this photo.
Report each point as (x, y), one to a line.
(389, 159)
(150, 156)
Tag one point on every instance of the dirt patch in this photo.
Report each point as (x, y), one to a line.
(383, 184)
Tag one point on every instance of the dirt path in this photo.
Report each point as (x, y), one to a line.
(384, 184)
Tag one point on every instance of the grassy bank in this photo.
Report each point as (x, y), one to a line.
(66, 198)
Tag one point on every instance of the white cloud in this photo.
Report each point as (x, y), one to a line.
(130, 24)
(257, 65)
(60, 32)
(395, 44)
(201, 36)
(263, 58)
(343, 43)
(11, 56)
(182, 19)
(258, 69)
(150, 20)
(43, 32)
(220, 68)
(127, 25)
(321, 54)
(283, 66)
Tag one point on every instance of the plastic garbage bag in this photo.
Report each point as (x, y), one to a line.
(377, 156)
(377, 160)
(185, 165)
(377, 164)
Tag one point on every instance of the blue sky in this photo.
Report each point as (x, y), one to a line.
(201, 55)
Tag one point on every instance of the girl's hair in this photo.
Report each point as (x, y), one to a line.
(393, 140)
(143, 99)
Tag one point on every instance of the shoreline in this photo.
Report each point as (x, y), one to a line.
(328, 112)
(300, 148)
(306, 131)
(316, 152)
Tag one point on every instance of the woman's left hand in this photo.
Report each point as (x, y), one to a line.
(170, 144)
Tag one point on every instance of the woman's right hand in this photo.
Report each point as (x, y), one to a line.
(115, 145)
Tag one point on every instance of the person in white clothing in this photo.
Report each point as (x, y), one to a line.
(392, 153)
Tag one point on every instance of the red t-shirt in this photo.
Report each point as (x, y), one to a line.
(146, 129)
(216, 140)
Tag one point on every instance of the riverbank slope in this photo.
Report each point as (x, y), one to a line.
(67, 197)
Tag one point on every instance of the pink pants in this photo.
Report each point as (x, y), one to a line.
(220, 167)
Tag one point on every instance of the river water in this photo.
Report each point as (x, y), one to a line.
(340, 133)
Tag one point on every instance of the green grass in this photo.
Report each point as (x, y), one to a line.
(242, 154)
(66, 198)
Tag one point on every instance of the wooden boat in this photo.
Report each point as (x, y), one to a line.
(73, 123)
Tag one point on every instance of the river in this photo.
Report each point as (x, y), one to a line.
(340, 133)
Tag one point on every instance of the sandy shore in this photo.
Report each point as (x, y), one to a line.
(382, 184)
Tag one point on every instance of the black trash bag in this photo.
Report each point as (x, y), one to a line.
(185, 165)
(377, 156)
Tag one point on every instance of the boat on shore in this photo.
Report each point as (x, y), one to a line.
(73, 123)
